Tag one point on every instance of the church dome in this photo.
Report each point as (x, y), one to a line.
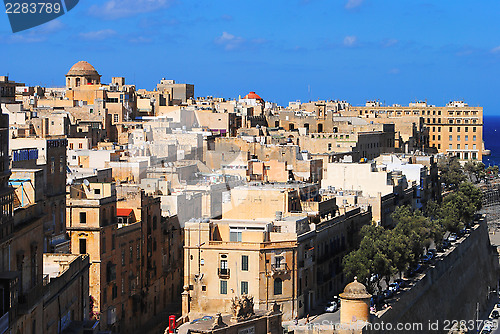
(355, 290)
(252, 95)
(82, 68)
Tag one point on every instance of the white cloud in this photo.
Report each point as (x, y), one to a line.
(50, 27)
(35, 35)
(229, 41)
(495, 50)
(350, 40)
(98, 34)
(115, 9)
(351, 4)
(390, 42)
(259, 41)
(22, 38)
(141, 39)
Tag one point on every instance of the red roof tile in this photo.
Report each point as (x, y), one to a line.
(121, 212)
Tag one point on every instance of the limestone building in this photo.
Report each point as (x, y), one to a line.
(47, 154)
(135, 254)
(287, 260)
(31, 297)
(456, 128)
(180, 93)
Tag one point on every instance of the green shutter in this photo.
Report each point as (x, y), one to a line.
(244, 262)
(223, 287)
(244, 288)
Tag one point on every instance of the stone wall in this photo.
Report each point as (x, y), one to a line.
(455, 286)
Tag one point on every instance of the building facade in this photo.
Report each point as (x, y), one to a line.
(288, 261)
(456, 128)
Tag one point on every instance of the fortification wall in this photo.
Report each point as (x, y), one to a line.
(455, 285)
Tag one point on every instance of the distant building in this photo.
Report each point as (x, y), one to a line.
(252, 99)
(456, 128)
(180, 93)
(367, 184)
(8, 89)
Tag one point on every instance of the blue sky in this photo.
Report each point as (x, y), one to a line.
(395, 51)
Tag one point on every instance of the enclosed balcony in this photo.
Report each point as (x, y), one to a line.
(223, 272)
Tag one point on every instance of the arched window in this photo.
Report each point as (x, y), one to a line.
(320, 127)
(278, 286)
(77, 82)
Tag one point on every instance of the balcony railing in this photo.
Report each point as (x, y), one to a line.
(279, 267)
(223, 272)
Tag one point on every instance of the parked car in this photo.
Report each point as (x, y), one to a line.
(494, 314)
(332, 306)
(394, 287)
(402, 283)
(462, 232)
(425, 258)
(414, 270)
(452, 237)
(431, 253)
(445, 244)
(377, 299)
(388, 293)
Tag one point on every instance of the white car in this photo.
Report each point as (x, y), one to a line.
(452, 237)
(332, 307)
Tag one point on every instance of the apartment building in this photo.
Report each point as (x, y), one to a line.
(257, 200)
(36, 296)
(456, 128)
(286, 260)
(49, 156)
(369, 184)
(8, 89)
(135, 254)
(180, 93)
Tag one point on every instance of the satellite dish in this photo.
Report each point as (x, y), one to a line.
(86, 182)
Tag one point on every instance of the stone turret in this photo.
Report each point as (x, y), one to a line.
(355, 303)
